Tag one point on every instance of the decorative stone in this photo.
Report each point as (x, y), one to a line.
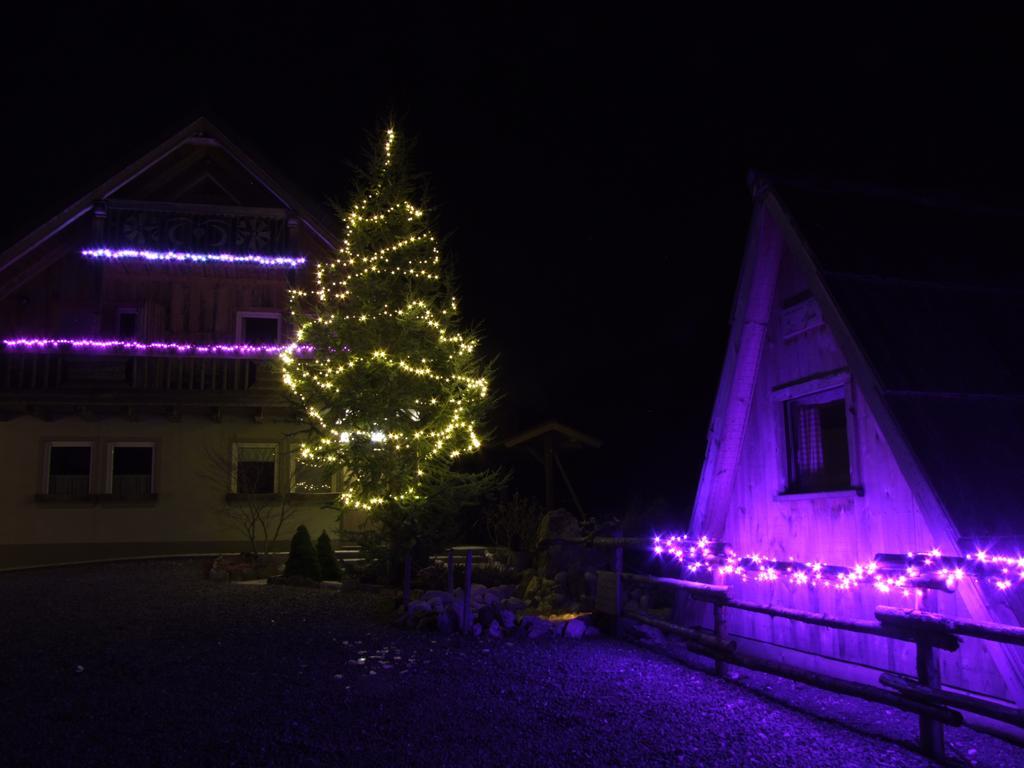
(515, 604)
(574, 629)
(494, 629)
(507, 618)
(416, 607)
(444, 623)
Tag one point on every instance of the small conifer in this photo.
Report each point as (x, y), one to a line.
(329, 570)
(302, 558)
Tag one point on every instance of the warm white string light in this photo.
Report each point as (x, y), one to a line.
(404, 388)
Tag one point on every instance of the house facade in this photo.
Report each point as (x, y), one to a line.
(871, 403)
(141, 403)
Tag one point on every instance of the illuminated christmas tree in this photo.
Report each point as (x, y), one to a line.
(394, 391)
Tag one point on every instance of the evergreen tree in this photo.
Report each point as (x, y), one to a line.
(329, 569)
(302, 558)
(394, 390)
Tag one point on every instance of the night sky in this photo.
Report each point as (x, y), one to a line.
(588, 169)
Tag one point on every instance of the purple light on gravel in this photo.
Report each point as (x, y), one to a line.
(122, 254)
(181, 348)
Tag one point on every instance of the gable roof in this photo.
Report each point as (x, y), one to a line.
(199, 131)
(932, 292)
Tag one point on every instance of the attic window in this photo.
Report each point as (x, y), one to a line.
(817, 442)
(259, 327)
(127, 324)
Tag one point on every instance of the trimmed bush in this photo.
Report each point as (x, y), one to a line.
(302, 559)
(329, 570)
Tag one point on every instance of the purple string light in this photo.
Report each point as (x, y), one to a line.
(179, 348)
(902, 575)
(287, 262)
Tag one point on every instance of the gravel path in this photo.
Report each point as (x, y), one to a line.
(148, 664)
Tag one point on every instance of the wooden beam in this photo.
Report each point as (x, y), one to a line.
(834, 684)
(693, 635)
(923, 622)
(912, 689)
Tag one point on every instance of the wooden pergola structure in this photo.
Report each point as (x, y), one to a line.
(544, 442)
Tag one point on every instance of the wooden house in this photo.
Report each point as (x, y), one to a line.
(872, 402)
(138, 392)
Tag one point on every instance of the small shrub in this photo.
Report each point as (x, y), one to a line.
(329, 569)
(302, 559)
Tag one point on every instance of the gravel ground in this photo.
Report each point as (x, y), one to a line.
(149, 664)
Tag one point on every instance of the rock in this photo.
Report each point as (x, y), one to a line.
(477, 629)
(561, 578)
(436, 605)
(575, 629)
(476, 589)
(444, 623)
(537, 627)
(417, 607)
(436, 594)
(486, 615)
(503, 591)
(494, 629)
(648, 633)
(507, 618)
(592, 632)
(330, 585)
(515, 604)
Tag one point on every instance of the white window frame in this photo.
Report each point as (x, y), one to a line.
(240, 323)
(109, 486)
(234, 462)
(91, 445)
(293, 459)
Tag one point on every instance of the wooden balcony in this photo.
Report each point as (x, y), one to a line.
(67, 378)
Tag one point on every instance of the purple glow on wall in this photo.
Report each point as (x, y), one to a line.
(126, 254)
(904, 575)
(163, 347)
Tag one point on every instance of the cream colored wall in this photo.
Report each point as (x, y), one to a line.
(190, 485)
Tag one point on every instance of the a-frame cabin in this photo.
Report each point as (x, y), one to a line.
(137, 392)
(872, 402)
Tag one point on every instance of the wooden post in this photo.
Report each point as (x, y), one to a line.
(467, 611)
(407, 579)
(451, 572)
(549, 473)
(718, 611)
(618, 588)
(718, 619)
(932, 736)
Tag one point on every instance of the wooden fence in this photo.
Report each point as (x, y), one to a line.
(929, 632)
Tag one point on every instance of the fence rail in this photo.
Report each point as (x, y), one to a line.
(929, 632)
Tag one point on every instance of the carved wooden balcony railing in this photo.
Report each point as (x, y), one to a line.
(66, 377)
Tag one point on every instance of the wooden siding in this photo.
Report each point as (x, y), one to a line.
(840, 528)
